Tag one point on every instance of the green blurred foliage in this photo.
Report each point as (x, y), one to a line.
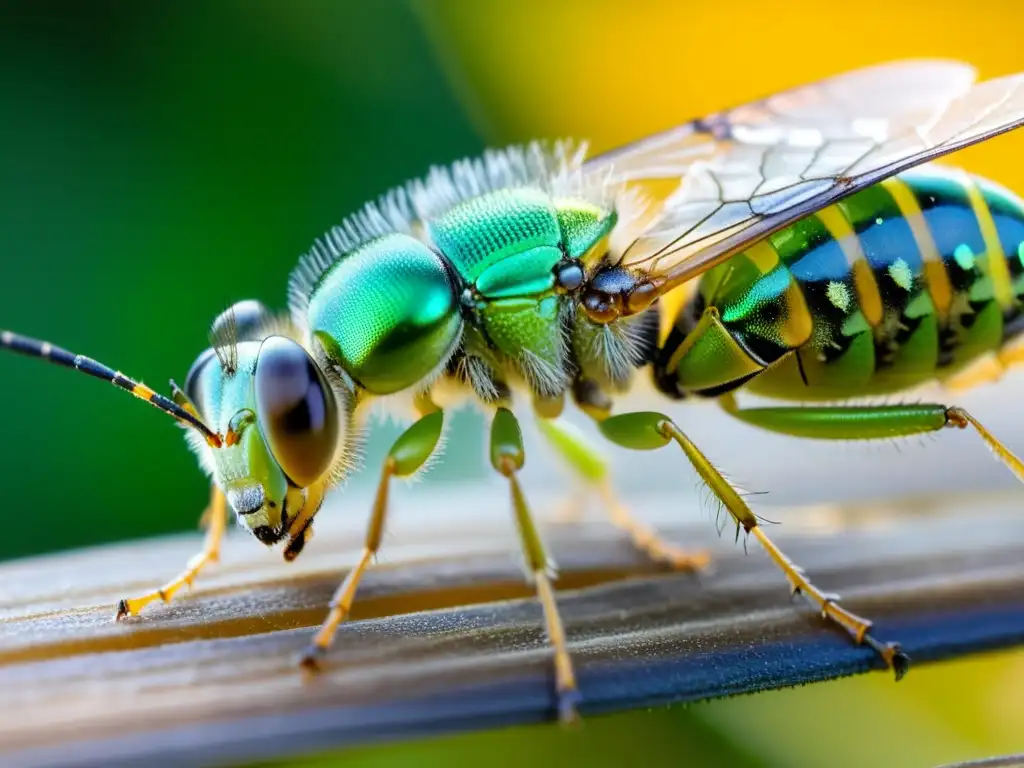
(157, 163)
(617, 740)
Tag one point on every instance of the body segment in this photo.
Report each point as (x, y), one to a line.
(907, 281)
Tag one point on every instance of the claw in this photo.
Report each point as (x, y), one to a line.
(892, 654)
(899, 661)
(310, 658)
(568, 702)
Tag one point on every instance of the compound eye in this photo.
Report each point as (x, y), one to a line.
(241, 322)
(296, 410)
(194, 377)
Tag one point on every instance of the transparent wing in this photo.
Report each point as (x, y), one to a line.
(839, 108)
(749, 171)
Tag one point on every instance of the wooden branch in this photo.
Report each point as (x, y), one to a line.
(212, 675)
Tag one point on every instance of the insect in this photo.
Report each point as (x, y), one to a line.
(832, 260)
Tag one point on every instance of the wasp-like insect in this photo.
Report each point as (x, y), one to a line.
(833, 263)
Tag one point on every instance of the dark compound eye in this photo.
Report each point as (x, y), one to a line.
(296, 410)
(193, 386)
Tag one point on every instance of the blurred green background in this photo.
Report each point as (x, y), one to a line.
(160, 161)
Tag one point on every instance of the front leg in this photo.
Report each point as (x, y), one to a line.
(215, 520)
(408, 454)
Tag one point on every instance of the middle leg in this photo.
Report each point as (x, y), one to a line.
(508, 457)
(591, 467)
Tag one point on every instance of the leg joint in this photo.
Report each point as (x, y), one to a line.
(956, 417)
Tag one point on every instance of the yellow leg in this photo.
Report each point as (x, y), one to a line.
(855, 422)
(646, 539)
(507, 457)
(826, 603)
(345, 595)
(648, 431)
(215, 520)
(958, 417)
(591, 467)
(408, 454)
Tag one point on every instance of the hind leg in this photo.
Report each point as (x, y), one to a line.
(648, 431)
(871, 422)
(863, 423)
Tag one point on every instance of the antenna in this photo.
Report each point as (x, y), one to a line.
(45, 350)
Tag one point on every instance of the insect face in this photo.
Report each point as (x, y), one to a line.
(281, 427)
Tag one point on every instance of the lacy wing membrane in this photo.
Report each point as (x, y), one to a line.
(751, 170)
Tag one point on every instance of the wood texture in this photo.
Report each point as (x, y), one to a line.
(445, 636)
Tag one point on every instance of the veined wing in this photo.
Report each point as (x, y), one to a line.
(752, 170)
(838, 108)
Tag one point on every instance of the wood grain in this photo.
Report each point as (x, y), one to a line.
(445, 637)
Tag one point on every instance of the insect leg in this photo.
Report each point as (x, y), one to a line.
(648, 431)
(591, 467)
(871, 422)
(507, 456)
(215, 520)
(408, 454)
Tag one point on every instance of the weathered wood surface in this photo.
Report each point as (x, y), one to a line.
(212, 676)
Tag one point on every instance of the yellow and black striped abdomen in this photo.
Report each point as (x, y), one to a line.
(903, 282)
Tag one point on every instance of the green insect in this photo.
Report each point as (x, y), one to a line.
(830, 261)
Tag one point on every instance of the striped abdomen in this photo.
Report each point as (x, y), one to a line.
(903, 282)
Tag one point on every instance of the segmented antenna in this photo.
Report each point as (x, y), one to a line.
(47, 351)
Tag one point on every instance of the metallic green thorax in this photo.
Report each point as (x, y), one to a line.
(392, 311)
(506, 246)
(387, 312)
